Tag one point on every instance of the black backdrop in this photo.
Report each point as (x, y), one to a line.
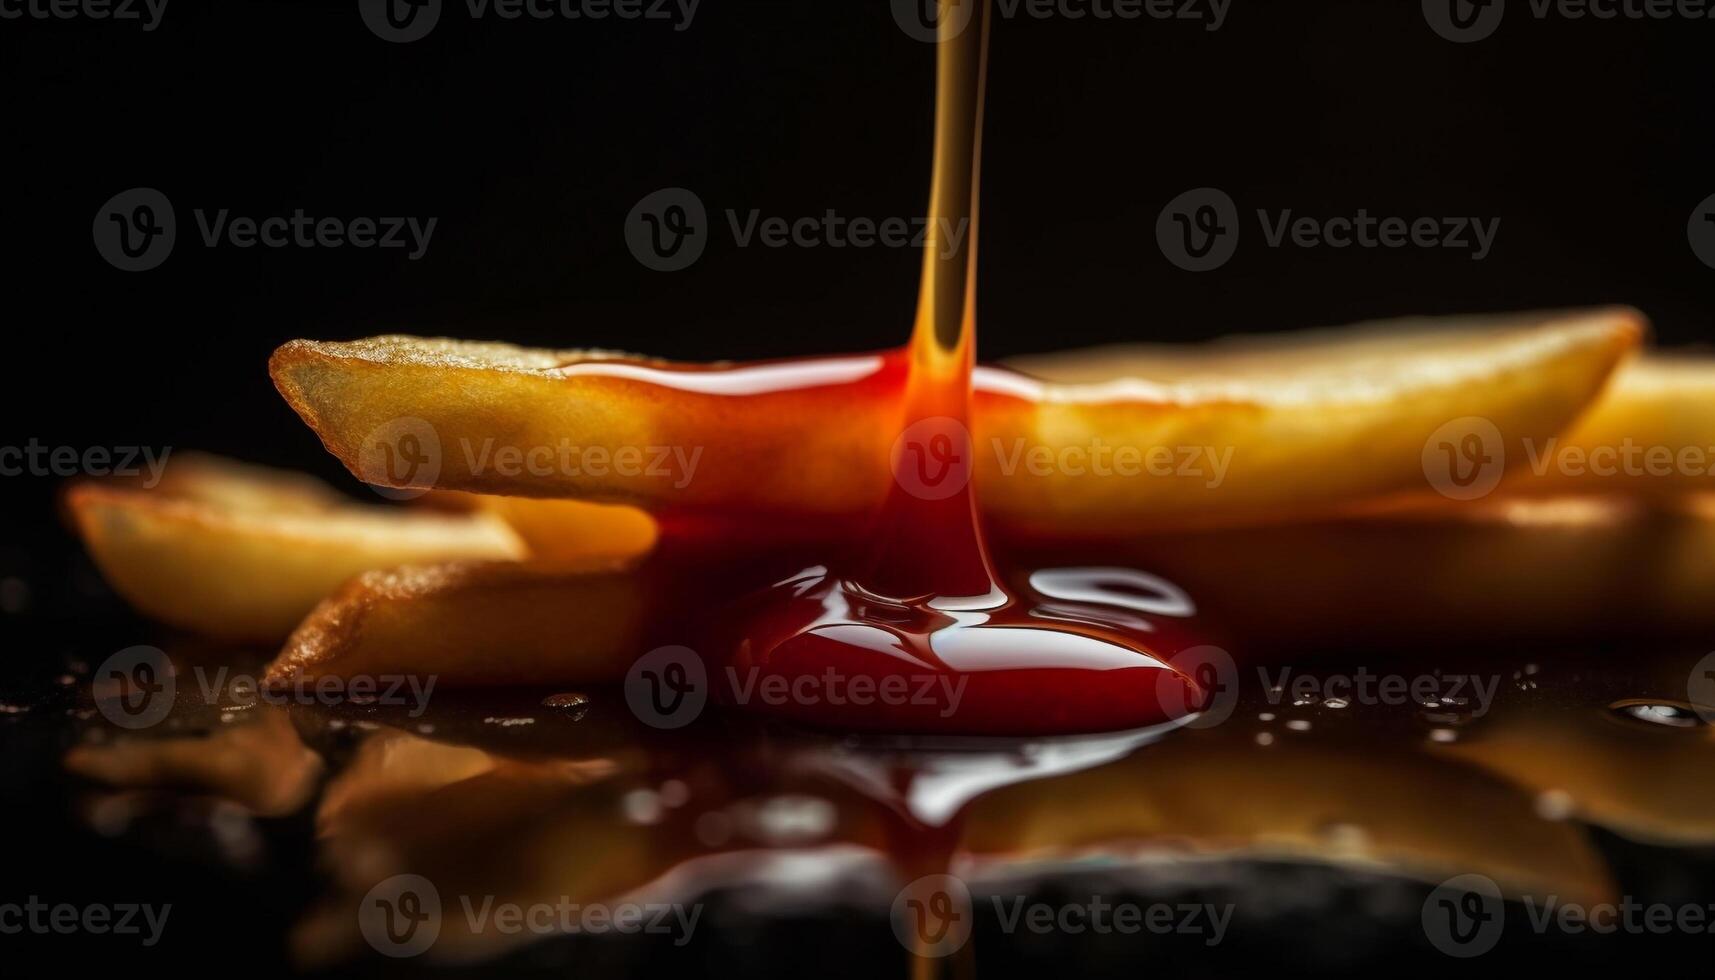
(530, 141)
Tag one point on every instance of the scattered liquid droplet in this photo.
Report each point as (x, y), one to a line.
(1265, 738)
(1298, 725)
(1666, 714)
(1336, 703)
(572, 703)
(1443, 735)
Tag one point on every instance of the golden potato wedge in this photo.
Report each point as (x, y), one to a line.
(1271, 428)
(1652, 432)
(563, 530)
(473, 624)
(1264, 428)
(1497, 571)
(243, 553)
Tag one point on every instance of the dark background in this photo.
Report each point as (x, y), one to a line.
(531, 140)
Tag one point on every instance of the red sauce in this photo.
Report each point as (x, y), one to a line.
(916, 633)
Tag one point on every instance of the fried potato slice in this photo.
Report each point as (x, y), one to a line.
(1497, 571)
(473, 624)
(1652, 432)
(564, 530)
(1302, 424)
(1305, 422)
(242, 552)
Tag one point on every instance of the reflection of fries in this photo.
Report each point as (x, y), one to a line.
(1334, 419)
(242, 552)
(256, 760)
(1649, 785)
(1226, 796)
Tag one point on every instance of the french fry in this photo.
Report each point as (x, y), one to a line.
(1651, 433)
(1498, 571)
(242, 553)
(473, 624)
(564, 530)
(1331, 419)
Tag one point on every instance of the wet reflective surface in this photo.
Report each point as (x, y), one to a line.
(1310, 816)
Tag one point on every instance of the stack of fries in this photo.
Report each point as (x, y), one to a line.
(1327, 521)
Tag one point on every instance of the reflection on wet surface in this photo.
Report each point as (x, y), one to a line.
(1523, 775)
